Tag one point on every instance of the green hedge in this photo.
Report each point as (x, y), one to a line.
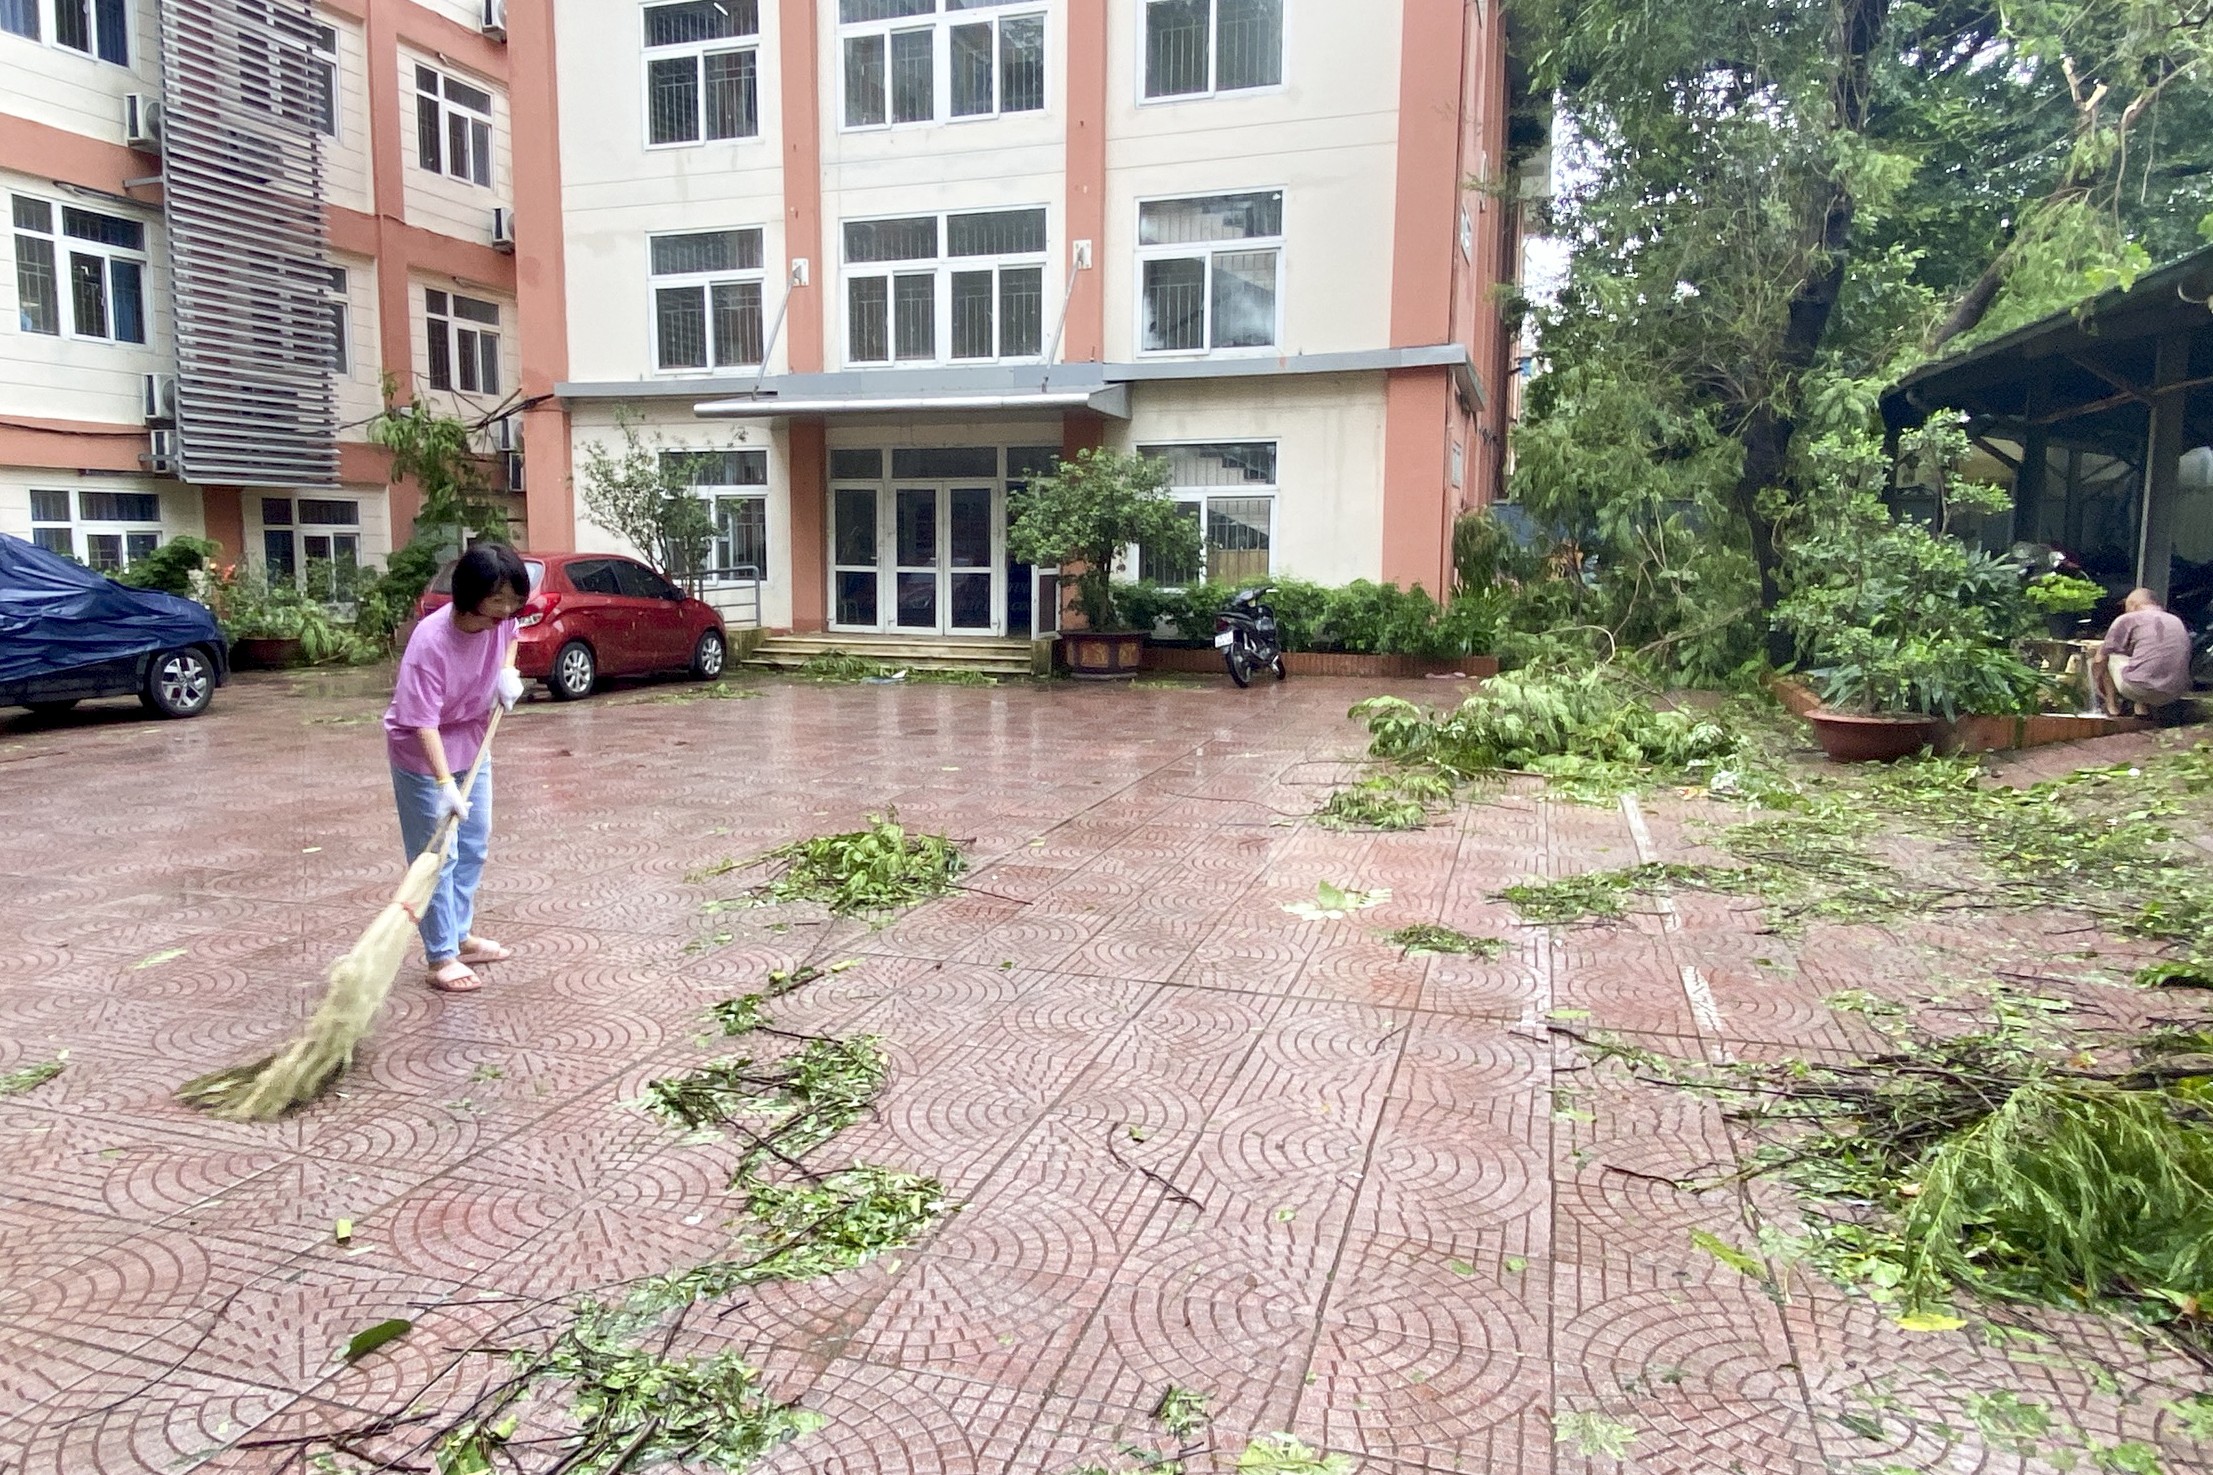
(1361, 617)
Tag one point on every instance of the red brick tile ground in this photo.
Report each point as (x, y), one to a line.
(1355, 1196)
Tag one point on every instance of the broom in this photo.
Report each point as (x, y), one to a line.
(359, 983)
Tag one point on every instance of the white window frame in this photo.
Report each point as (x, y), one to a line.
(1199, 497)
(64, 246)
(714, 494)
(1213, 59)
(1280, 244)
(46, 15)
(943, 266)
(322, 55)
(706, 281)
(697, 52)
(941, 25)
(81, 529)
(479, 173)
(341, 322)
(300, 532)
(458, 329)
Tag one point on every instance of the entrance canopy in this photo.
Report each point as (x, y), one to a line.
(922, 391)
(2104, 413)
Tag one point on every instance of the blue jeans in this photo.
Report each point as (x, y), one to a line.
(452, 907)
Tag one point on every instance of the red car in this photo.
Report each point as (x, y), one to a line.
(600, 614)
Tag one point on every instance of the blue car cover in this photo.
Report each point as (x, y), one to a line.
(56, 615)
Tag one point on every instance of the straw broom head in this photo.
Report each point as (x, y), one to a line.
(359, 983)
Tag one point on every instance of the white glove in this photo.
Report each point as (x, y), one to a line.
(451, 802)
(510, 687)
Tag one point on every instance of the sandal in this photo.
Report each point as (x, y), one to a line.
(453, 977)
(484, 950)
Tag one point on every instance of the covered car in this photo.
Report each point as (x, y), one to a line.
(68, 633)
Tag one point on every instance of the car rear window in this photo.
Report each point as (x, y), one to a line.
(442, 581)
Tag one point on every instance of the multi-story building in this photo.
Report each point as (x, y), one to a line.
(230, 222)
(886, 258)
(879, 260)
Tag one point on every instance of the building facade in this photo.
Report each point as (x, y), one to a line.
(866, 265)
(231, 222)
(882, 260)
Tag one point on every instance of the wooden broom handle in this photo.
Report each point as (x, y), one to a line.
(468, 785)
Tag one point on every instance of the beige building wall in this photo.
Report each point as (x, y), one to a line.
(440, 202)
(63, 88)
(70, 378)
(346, 180)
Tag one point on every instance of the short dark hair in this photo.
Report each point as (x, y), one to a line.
(482, 570)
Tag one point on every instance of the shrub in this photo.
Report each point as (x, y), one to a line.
(1092, 507)
(169, 568)
(1361, 617)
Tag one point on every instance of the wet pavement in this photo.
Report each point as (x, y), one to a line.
(1364, 1198)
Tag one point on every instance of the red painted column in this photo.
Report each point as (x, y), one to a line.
(808, 463)
(1084, 341)
(541, 290)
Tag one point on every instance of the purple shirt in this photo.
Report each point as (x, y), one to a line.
(2158, 649)
(448, 681)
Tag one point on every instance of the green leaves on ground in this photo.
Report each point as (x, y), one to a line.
(25, 1078)
(1394, 801)
(367, 1341)
(1593, 1435)
(1589, 728)
(839, 666)
(1429, 937)
(1181, 1411)
(1282, 1454)
(878, 869)
(1600, 895)
(2011, 1163)
(1331, 903)
(800, 1101)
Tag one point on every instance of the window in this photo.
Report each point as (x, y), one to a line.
(1197, 47)
(993, 64)
(697, 85)
(927, 288)
(322, 71)
(104, 258)
(99, 28)
(464, 342)
(341, 358)
(1211, 271)
(706, 299)
(20, 18)
(735, 486)
(453, 127)
(1229, 489)
(113, 529)
(315, 541)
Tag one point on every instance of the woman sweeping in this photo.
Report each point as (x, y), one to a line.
(459, 662)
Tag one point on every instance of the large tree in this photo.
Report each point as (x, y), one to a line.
(1774, 206)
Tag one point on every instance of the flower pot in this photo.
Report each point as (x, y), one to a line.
(2062, 627)
(1848, 737)
(1103, 655)
(266, 652)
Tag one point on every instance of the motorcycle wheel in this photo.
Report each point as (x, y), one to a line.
(1276, 666)
(1240, 664)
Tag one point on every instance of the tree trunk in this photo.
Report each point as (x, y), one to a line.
(1766, 429)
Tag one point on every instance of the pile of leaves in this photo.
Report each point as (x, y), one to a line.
(1430, 937)
(2010, 1164)
(1584, 727)
(30, 1077)
(1601, 894)
(832, 667)
(878, 869)
(1391, 801)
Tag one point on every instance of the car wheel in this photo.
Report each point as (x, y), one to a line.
(575, 671)
(51, 709)
(708, 656)
(179, 683)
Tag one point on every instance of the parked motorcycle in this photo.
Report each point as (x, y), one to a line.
(1247, 636)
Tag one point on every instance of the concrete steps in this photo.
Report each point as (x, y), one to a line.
(987, 656)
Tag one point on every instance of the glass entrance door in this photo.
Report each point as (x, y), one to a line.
(917, 558)
(916, 569)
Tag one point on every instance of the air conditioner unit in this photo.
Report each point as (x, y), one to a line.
(494, 22)
(503, 228)
(141, 122)
(161, 452)
(507, 433)
(158, 398)
(514, 471)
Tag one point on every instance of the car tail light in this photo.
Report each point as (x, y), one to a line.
(539, 607)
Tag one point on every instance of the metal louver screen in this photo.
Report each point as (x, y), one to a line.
(248, 255)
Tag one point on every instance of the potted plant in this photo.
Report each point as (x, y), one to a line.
(2063, 599)
(1091, 509)
(1903, 630)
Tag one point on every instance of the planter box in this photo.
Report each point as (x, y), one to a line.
(1208, 660)
(1983, 734)
(1103, 655)
(263, 653)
